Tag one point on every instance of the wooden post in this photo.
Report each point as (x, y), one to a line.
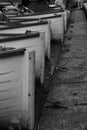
(42, 67)
(28, 89)
(31, 92)
(49, 43)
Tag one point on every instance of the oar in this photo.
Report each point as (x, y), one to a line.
(11, 2)
(26, 8)
(15, 6)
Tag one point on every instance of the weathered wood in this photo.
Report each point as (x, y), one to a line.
(28, 92)
(36, 43)
(43, 26)
(31, 90)
(17, 81)
(57, 19)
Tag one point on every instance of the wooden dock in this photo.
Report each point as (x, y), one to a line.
(69, 85)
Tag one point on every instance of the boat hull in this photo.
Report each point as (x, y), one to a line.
(43, 26)
(58, 21)
(17, 89)
(33, 42)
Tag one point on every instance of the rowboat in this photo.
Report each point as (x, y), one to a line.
(56, 16)
(57, 23)
(41, 26)
(16, 88)
(33, 41)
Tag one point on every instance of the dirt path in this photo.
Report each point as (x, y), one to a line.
(70, 86)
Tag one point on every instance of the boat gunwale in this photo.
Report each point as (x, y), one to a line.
(18, 21)
(23, 25)
(12, 52)
(19, 37)
(33, 19)
(39, 13)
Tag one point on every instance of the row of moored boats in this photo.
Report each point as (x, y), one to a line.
(25, 45)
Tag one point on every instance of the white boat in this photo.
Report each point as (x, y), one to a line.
(17, 88)
(41, 26)
(56, 17)
(58, 24)
(33, 41)
(62, 21)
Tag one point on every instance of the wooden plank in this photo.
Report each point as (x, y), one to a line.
(9, 85)
(10, 68)
(42, 54)
(12, 93)
(28, 89)
(15, 101)
(8, 77)
(11, 97)
(10, 112)
(31, 89)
